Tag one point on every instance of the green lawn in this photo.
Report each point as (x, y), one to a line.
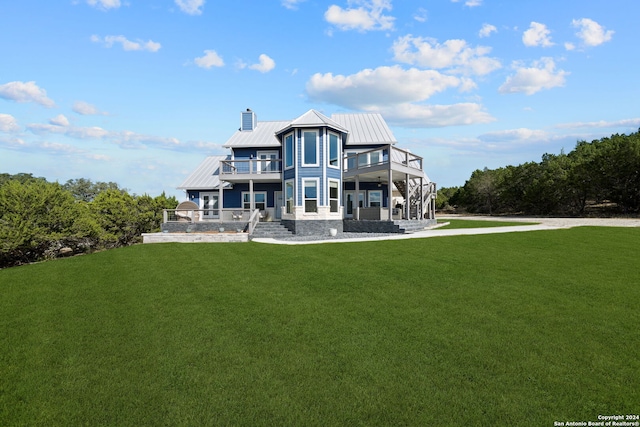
(479, 223)
(508, 329)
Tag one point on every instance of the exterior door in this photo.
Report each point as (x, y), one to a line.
(209, 204)
(267, 161)
(279, 201)
(350, 206)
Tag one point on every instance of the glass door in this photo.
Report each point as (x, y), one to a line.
(209, 204)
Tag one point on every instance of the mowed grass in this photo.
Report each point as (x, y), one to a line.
(505, 329)
(479, 223)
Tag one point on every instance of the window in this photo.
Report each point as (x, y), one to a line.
(288, 190)
(310, 148)
(333, 195)
(259, 199)
(375, 199)
(310, 196)
(334, 151)
(288, 151)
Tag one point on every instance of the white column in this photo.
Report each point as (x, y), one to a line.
(220, 201)
(252, 204)
(357, 201)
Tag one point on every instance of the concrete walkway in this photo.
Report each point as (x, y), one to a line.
(543, 224)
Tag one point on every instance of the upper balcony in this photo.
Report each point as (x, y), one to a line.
(374, 163)
(265, 170)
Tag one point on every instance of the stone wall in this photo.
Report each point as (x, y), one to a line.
(203, 226)
(312, 227)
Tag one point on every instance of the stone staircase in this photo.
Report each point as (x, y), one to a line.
(410, 226)
(271, 229)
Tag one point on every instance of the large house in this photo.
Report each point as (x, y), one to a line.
(312, 174)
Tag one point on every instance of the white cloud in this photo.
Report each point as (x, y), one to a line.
(210, 59)
(431, 116)
(127, 45)
(529, 80)
(452, 54)
(486, 30)
(569, 46)
(591, 33)
(522, 135)
(104, 4)
(469, 3)
(291, 4)
(265, 65)
(191, 7)
(8, 123)
(537, 35)
(25, 92)
(59, 120)
(367, 17)
(421, 15)
(632, 123)
(381, 86)
(86, 109)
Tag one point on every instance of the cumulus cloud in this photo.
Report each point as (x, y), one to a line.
(209, 60)
(529, 80)
(8, 123)
(59, 120)
(469, 3)
(537, 35)
(454, 54)
(520, 135)
(486, 30)
(368, 16)
(25, 92)
(420, 15)
(127, 44)
(265, 65)
(104, 4)
(191, 7)
(590, 32)
(383, 85)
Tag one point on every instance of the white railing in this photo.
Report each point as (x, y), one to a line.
(209, 215)
(380, 156)
(250, 167)
(253, 220)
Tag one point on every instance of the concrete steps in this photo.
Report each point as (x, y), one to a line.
(272, 229)
(410, 226)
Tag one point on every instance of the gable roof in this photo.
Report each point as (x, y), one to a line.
(206, 176)
(311, 119)
(365, 128)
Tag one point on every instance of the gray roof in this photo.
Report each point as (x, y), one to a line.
(264, 135)
(206, 175)
(362, 128)
(365, 128)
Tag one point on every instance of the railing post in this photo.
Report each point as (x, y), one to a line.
(165, 216)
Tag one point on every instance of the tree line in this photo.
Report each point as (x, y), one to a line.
(43, 220)
(601, 176)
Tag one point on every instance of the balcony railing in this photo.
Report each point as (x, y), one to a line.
(380, 156)
(197, 215)
(251, 167)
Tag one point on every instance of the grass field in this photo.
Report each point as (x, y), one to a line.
(506, 329)
(471, 223)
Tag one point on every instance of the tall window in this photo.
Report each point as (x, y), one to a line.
(288, 151)
(333, 150)
(310, 148)
(288, 190)
(311, 196)
(333, 195)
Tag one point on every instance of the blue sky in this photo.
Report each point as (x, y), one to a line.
(139, 92)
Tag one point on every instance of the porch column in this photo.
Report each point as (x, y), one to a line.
(252, 204)
(407, 207)
(390, 195)
(220, 202)
(358, 197)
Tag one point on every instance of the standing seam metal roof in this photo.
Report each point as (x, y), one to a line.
(365, 128)
(206, 176)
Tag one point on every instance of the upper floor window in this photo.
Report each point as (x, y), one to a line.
(288, 151)
(310, 148)
(334, 150)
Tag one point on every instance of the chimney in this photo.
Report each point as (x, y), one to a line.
(248, 120)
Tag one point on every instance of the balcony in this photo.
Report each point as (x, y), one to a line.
(265, 170)
(379, 161)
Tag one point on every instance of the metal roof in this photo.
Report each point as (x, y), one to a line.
(313, 118)
(263, 135)
(206, 175)
(365, 128)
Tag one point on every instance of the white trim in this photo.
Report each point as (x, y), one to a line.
(337, 182)
(292, 134)
(266, 204)
(293, 196)
(329, 165)
(316, 181)
(317, 148)
(369, 198)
